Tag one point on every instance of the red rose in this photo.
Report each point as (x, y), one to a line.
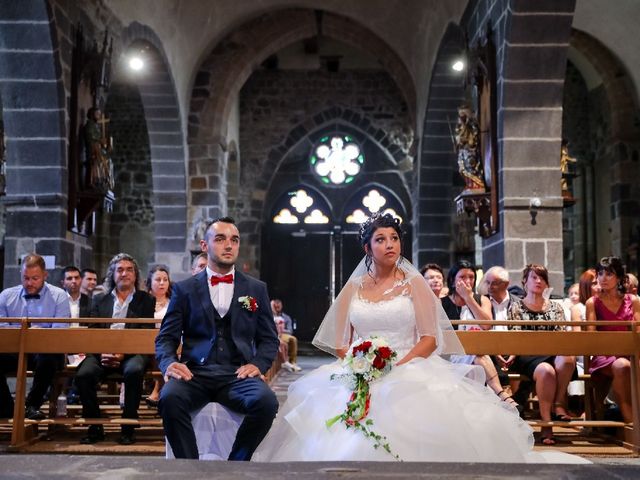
(384, 352)
(254, 305)
(363, 347)
(378, 363)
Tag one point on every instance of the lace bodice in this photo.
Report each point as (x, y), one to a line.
(393, 319)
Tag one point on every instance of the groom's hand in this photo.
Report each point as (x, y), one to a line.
(178, 371)
(247, 371)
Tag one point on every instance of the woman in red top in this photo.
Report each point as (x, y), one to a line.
(613, 304)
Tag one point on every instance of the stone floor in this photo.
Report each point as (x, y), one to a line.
(72, 467)
(145, 461)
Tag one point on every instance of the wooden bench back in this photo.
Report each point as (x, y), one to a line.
(90, 340)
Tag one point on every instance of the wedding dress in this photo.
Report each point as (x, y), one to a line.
(429, 409)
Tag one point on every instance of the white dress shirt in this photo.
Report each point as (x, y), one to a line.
(500, 311)
(74, 305)
(120, 309)
(222, 294)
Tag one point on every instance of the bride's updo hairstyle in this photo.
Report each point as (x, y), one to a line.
(613, 265)
(369, 227)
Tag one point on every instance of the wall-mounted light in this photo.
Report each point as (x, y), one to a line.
(458, 65)
(136, 63)
(534, 204)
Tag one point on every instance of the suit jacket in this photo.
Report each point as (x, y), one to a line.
(85, 306)
(191, 317)
(142, 305)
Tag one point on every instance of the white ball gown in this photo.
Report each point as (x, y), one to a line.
(428, 409)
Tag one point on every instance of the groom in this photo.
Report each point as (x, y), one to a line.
(229, 340)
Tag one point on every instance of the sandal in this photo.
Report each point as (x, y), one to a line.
(560, 417)
(151, 402)
(547, 438)
(508, 399)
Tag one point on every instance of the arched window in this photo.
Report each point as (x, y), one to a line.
(336, 159)
(301, 206)
(370, 200)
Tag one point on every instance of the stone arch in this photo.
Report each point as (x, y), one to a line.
(230, 64)
(33, 110)
(433, 189)
(166, 146)
(619, 88)
(606, 220)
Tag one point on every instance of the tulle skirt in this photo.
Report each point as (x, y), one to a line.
(429, 410)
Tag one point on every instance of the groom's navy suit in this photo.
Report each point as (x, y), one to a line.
(213, 348)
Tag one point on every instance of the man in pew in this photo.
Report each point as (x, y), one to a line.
(199, 263)
(89, 281)
(223, 319)
(79, 303)
(122, 300)
(35, 298)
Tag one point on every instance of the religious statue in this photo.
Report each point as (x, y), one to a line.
(98, 148)
(467, 145)
(565, 160)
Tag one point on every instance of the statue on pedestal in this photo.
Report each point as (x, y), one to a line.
(98, 148)
(467, 145)
(565, 160)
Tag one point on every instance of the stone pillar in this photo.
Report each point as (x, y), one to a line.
(34, 119)
(533, 54)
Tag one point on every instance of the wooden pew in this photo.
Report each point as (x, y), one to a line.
(25, 341)
(491, 342)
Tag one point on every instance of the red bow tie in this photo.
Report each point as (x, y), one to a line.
(224, 279)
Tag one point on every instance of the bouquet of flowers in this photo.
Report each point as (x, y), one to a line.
(367, 360)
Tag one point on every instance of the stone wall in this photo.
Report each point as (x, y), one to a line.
(129, 228)
(278, 109)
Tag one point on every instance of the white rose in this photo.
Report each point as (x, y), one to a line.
(359, 365)
(379, 342)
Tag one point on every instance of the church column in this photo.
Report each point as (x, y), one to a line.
(33, 113)
(532, 38)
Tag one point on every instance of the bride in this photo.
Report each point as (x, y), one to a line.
(427, 408)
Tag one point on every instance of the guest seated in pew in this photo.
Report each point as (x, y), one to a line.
(631, 284)
(551, 374)
(434, 275)
(89, 281)
(199, 263)
(159, 285)
(79, 303)
(612, 303)
(122, 300)
(495, 284)
(286, 336)
(463, 304)
(35, 298)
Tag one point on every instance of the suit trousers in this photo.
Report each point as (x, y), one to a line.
(44, 367)
(91, 372)
(217, 383)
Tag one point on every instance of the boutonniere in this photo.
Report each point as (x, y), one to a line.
(248, 303)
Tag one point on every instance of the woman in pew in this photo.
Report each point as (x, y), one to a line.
(551, 374)
(463, 303)
(587, 287)
(159, 285)
(612, 303)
